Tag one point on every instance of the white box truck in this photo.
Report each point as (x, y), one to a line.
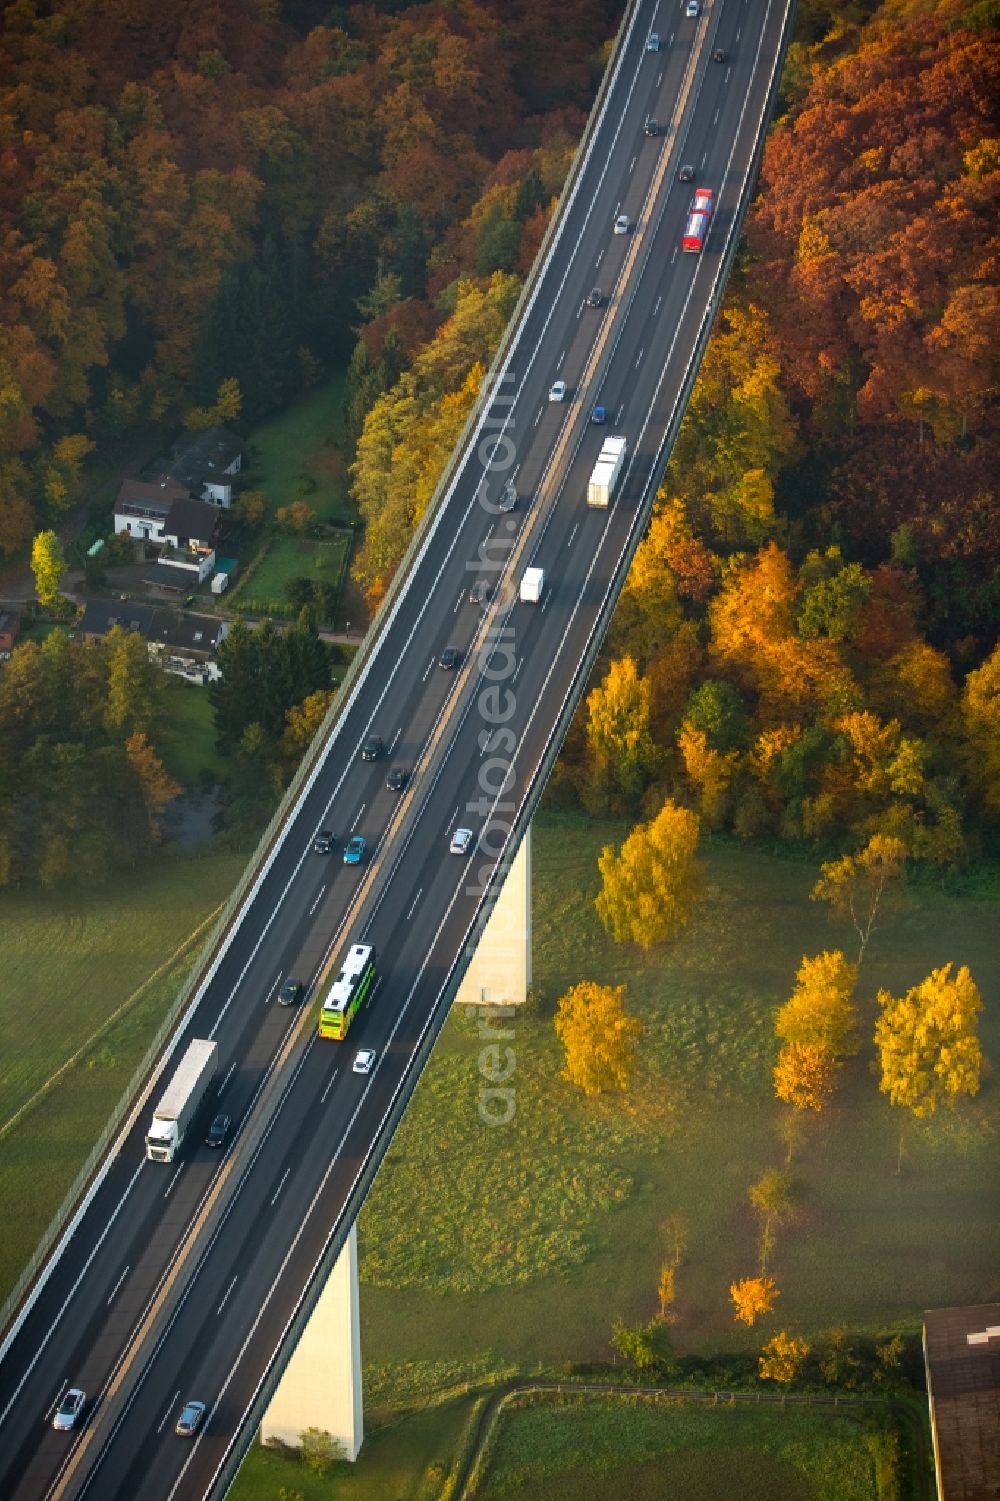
(532, 584)
(179, 1105)
(610, 462)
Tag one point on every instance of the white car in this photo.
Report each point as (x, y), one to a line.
(653, 42)
(557, 391)
(622, 225)
(364, 1060)
(460, 841)
(693, 8)
(69, 1410)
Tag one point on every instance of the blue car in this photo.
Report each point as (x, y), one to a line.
(354, 850)
(598, 416)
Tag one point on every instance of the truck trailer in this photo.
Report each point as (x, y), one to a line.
(610, 462)
(532, 584)
(181, 1100)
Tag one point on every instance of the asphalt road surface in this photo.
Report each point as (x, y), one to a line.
(180, 1280)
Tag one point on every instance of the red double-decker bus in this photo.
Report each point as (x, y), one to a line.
(698, 220)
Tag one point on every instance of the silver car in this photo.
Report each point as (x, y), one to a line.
(69, 1409)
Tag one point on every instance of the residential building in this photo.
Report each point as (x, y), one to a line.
(962, 1362)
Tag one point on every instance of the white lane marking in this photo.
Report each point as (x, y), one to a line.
(726, 79)
(715, 117)
(117, 1285)
(229, 1074)
(573, 534)
(58, 1399)
(671, 41)
(620, 411)
(394, 740)
(428, 670)
(656, 309)
(225, 1296)
(659, 80)
(631, 165)
(413, 907)
(674, 256)
(357, 817)
(517, 669)
(738, 31)
(538, 418)
(274, 1196)
(332, 1081)
(177, 1173)
(458, 604)
(166, 1416)
(270, 993)
(704, 159)
(312, 909)
(599, 260)
(560, 360)
(638, 361)
(545, 601)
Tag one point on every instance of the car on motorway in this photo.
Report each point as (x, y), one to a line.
(598, 416)
(595, 297)
(479, 592)
(719, 55)
(686, 174)
(354, 850)
(651, 127)
(653, 42)
(373, 748)
(217, 1132)
(324, 841)
(190, 1420)
(397, 779)
(364, 1060)
(450, 658)
(66, 1414)
(557, 390)
(508, 497)
(693, 8)
(622, 224)
(290, 992)
(461, 841)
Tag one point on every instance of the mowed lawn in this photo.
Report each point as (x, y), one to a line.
(186, 742)
(69, 959)
(296, 557)
(297, 456)
(604, 1449)
(519, 1244)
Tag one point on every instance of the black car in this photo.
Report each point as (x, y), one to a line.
(595, 297)
(397, 779)
(449, 658)
(686, 174)
(290, 991)
(719, 55)
(480, 592)
(218, 1131)
(373, 748)
(324, 841)
(652, 128)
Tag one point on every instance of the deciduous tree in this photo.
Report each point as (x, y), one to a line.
(928, 1042)
(599, 1038)
(860, 887)
(621, 747)
(752, 1297)
(48, 565)
(820, 1011)
(805, 1075)
(783, 1357)
(650, 889)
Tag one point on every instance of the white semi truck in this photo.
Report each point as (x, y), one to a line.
(179, 1105)
(532, 584)
(610, 462)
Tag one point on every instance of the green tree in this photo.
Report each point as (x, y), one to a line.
(717, 710)
(320, 1450)
(644, 1347)
(135, 684)
(599, 1038)
(651, 887)
(48, 565)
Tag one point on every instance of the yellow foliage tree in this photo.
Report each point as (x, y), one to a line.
(228, 405)
(752, 1297)
(618, 729)
(981, 726)
(600, 1039)
(48, 565)
(783, 1357)
(858, 886)
(711, 771)
(928, 1042)
(650, 888)
(805, 1075)
(820, 1010)
(667, 1291)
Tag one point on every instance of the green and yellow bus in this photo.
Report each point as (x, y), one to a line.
(348, 992)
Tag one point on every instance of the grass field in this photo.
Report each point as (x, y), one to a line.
(520, 1245)
(187, 742)
(296, 456)
(596, 1449)
(296, 557)
(69, 960)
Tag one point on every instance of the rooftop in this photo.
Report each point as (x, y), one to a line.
(962, 1353)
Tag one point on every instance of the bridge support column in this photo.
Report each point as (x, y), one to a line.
(500, 971)
(321, 1386)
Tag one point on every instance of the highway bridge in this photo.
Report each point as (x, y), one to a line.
(193, 1279)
